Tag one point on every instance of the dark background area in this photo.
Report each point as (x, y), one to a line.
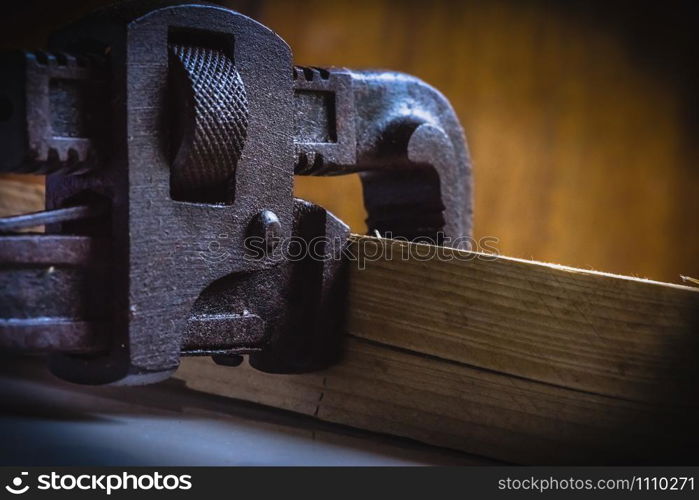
(581, 116)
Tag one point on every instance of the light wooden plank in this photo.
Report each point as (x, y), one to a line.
(613, 335)
(509, 359)
(18, 196)
(462, 408)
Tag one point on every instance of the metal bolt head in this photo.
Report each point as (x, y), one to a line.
(264, 228)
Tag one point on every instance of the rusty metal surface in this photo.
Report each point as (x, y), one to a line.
(210, 109)
(54, 249)
(189, 191)
(404, 139)
(45, 336)
(54, 294)
(26, 221)
(58, 101)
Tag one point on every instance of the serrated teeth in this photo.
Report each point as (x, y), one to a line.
(310, 73)
(308, 162)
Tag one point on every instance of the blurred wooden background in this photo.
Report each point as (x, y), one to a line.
(581, 116)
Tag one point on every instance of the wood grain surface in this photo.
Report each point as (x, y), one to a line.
(18, 195)
(463, 408)
(513, 360)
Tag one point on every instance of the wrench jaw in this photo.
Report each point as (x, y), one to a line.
(403, 138)
(308, 335)
(288, 317)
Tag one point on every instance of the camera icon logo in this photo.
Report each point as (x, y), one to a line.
(16, 487)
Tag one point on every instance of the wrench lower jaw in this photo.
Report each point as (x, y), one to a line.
(55, 299)
(309, 336)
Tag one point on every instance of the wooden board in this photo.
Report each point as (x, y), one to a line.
(18, 195)
(513, 360)
(612, 335)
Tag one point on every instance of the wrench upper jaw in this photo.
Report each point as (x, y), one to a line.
(403, 138)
